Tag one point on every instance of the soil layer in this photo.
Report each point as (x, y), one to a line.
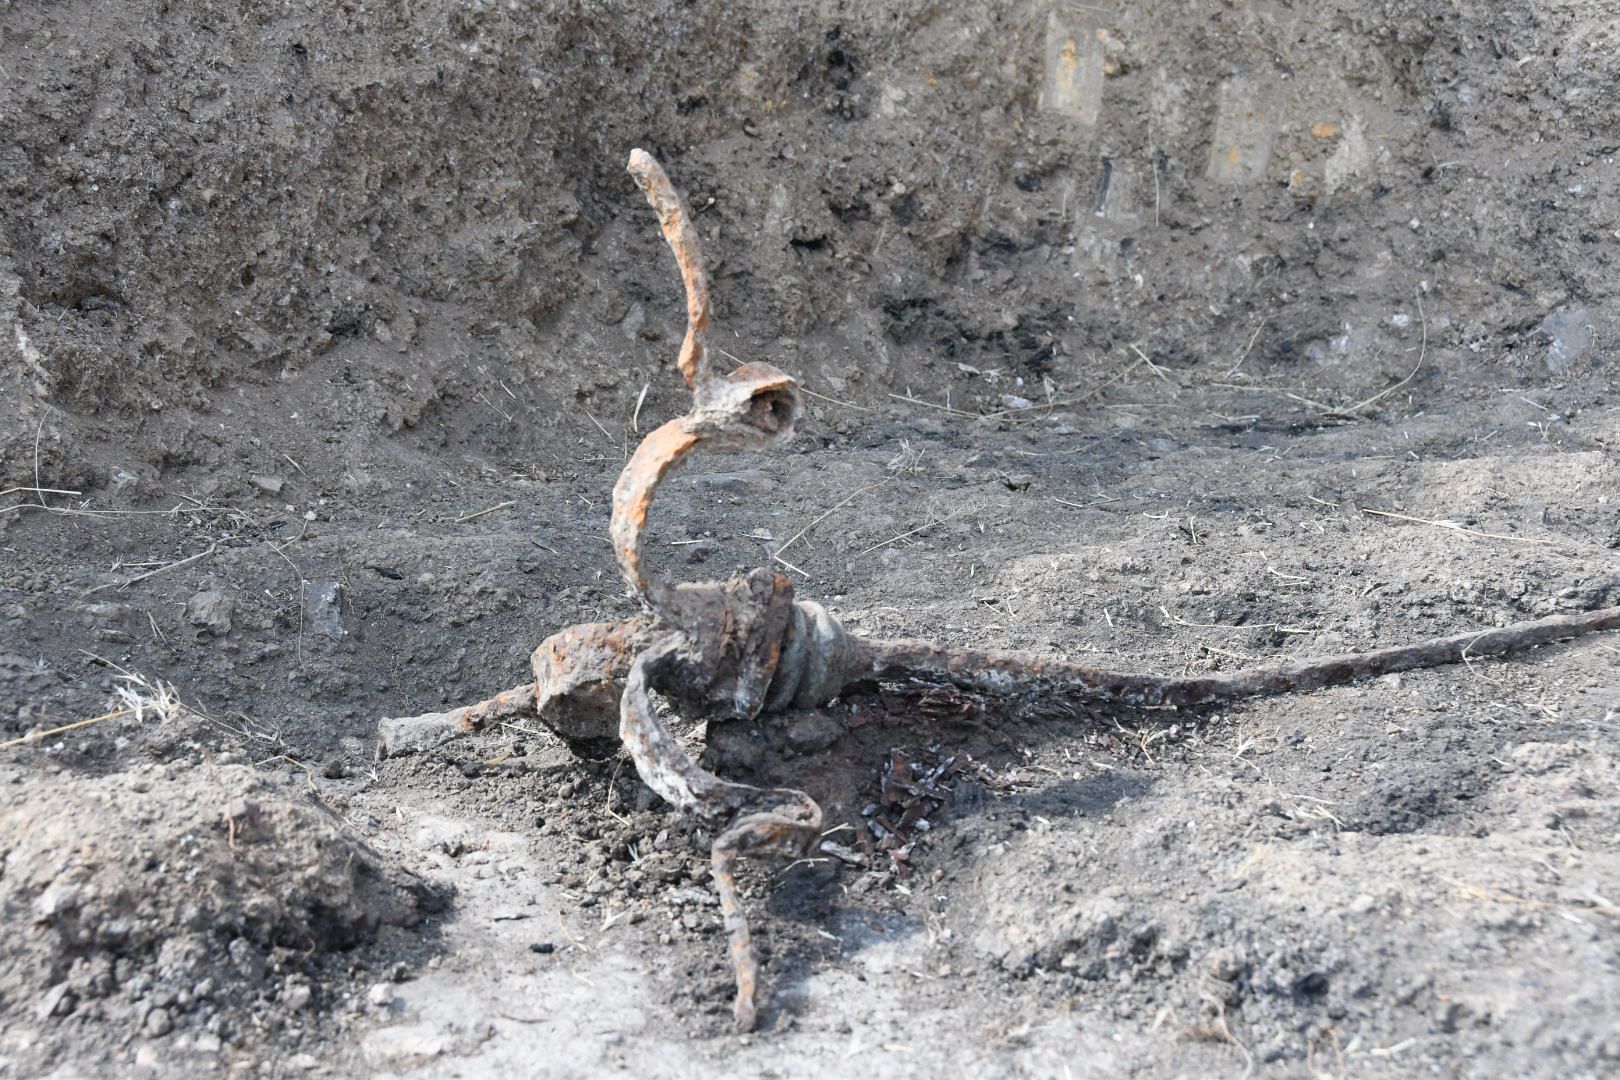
(1176, 337)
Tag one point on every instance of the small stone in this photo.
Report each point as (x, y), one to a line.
(270, 485)
(303, 1063)
(296, 996)
(1274, 1051)
(246, 959)
(57, 897)
(208, 1043)
(814, 732)
(57, 1001)
(1569, 336)
(1228, 964)
(633, 321)
(381, 995)
(323, 609)
(403, 1042)
(159, 1023)
(211, 610)
(113, 615)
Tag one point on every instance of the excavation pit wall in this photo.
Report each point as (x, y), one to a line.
(312, 288)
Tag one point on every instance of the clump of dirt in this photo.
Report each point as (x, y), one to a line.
(182, 895)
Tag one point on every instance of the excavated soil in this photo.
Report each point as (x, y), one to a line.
(1173, 337)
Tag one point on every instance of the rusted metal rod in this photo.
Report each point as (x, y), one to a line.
(854, 661)
(1016, 673)
(744, 648)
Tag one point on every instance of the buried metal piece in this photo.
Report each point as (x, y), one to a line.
(744, 647)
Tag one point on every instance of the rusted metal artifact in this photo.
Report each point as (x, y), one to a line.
(745, 647)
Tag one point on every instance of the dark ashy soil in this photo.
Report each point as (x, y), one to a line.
(1177, 337)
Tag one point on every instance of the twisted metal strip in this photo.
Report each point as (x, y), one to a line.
(676, 224)
(755, 406)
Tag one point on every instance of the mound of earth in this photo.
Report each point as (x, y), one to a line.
(164, 897)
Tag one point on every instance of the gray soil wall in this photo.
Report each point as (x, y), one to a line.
(1130, 309)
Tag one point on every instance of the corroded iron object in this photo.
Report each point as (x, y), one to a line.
(745, 647)
(724, 641)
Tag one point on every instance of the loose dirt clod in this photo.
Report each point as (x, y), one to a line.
(745, 647)
(210, 883)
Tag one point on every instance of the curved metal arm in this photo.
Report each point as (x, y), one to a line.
(753, 821)
(676, 224)
(755, 406)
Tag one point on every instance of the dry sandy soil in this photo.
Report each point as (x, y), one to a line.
(1090, 298)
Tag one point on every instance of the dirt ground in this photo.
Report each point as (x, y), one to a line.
(1174, 337)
